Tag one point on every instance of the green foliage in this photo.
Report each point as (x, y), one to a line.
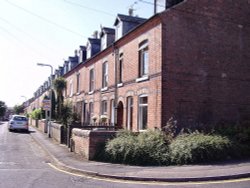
(19, 109)
(36, 114)
(238, 132)
(59, 85)
(66, 117)
(166, 147)
(3, 108)
(148, 148)
(197, 147)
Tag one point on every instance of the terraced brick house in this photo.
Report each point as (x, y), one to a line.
(190, 62)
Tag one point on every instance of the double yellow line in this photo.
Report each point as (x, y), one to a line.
(149, 182)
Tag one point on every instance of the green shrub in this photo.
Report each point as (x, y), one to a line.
(152, 148)
(197, 147)
(238, 132)
(148, 148)
(36, 114)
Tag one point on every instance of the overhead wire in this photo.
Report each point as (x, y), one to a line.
(27, 34)
(45, 19)
(88, 8)
(30, 49)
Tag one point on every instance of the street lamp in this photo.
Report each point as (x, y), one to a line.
(50, 95)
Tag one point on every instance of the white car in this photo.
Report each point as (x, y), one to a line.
(18, 122)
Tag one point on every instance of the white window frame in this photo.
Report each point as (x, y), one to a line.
(143, 60)
(78, 83)
(120, 70)
(118, 30)
(71, 88)
(105, 75)
(130, 105)
(112, 111)
(91, 81)
(104, 110)
(140, 112)
(91, 110)
(104, 41)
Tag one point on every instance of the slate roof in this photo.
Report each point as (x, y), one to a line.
(126, 18)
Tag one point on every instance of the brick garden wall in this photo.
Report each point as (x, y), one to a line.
(42, 125)
(86, 142)
(55, 132)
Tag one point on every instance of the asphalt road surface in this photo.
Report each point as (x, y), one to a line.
(24, 164)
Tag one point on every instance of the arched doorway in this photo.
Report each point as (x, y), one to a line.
(120, 115)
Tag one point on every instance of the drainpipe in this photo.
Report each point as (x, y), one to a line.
(116, 53)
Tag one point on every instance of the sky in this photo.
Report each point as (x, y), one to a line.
(49, 31)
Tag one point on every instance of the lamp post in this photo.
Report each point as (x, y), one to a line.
(50, 94)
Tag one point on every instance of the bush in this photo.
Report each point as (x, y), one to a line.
(148, 148)
(197, 147)
(36, 114)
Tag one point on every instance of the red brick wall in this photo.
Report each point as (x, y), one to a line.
(55, 132)
(129, 46)
(87, 143)
(206, 52)
(42, 125)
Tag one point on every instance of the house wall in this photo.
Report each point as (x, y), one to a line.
(128, 45)
(206, 62)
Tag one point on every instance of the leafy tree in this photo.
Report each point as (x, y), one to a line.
(3, 108)
(36, 114)
(19, 109)
(67, 114)
(59, 85)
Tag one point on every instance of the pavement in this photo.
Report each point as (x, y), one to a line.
(62, 158)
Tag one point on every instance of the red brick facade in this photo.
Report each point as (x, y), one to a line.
(206, 46)
(198, 69)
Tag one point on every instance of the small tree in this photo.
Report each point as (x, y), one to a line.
(19, 109)
(59, 85)
(67, 113)
(36, 113)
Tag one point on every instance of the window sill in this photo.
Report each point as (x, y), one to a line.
(144, 78)
(143, 130)
(120, 85)
(91, 92)
(104, 89)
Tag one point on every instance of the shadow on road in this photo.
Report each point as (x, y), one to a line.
(22, 132)
(2, 122)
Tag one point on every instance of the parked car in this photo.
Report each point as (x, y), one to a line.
(18, 122)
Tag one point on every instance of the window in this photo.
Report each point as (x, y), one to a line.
(143, 59)
(71, 89)
(112, 111)
(103, 42)
(105, 74)
(91, 80)
(85, 113)
(120, 66)
(78, 83)
(91, 111)
(118, 31)
(143, 112)
(129, 113)
(104, 109)
(88, 50)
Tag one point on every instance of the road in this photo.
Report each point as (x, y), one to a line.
(24, 164)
